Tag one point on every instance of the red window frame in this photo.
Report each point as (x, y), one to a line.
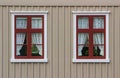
(90, 32)
(29, 32)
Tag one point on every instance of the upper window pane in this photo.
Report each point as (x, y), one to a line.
(36, 22)
(83, 23)
(98, 23)
(21, 23)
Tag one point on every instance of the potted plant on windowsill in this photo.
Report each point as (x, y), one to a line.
(35, 51)
(96, 51)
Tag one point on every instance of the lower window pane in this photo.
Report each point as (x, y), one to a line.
(36, 50)
(83, 51)
(21, 50)
(98, 50)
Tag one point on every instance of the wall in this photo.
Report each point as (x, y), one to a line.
(60, 2)
(60, 46)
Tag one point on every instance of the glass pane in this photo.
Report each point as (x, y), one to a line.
(83, 51)
(36, 50)
(83, 38)
(20, 38)
(21, 23)
(98, 38)
(36, 38)
(83, 23)
(98, 50)
(21, 50)
(98, 23)
(36, 22)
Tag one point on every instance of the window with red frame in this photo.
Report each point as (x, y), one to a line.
(90, 37)
(29, 36)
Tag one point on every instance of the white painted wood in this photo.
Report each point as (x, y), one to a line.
(13, 13)
(106, 13)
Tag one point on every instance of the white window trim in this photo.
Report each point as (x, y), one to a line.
(106, 13)
(13, 13)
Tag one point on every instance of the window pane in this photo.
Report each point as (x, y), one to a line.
(36, 50)
(83, 41)
(83, 23)
(83, 51)
(83, 38)
(98, 38)
(21, 50)
(98, 23)
(98, 50)
(36, 22)
(36, 38)
(21, 23)
(20, 38)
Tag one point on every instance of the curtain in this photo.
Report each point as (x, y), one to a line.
(20, 37)
(98, 22)
(36, 22)
(21, 23)
(99, 37)
(37, 39)
(83, 23)
(82, 38)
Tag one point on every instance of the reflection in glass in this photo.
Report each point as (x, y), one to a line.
(98, 23)
(83, 23)
(36, 22)
(21, 23)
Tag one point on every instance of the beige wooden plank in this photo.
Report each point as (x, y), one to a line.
(30, 70)
(61, 42)
(11, 65)
(36, 71)
(111, 42)
(79, 70)
(61, 2)
(55, 42)
(92, 70)
(1, 44)
(18, 70)
(117, 39)
(49, 51)
(5, 42)
(119, 43)
(73, 65)
(67, 43)
(24, 70)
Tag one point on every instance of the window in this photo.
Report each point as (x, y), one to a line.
(29, 36)
(90, 36)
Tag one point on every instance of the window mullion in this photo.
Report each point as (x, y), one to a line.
(29, 37)
(91, 37)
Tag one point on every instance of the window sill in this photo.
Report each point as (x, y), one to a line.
(91, 60)
(29, 60)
